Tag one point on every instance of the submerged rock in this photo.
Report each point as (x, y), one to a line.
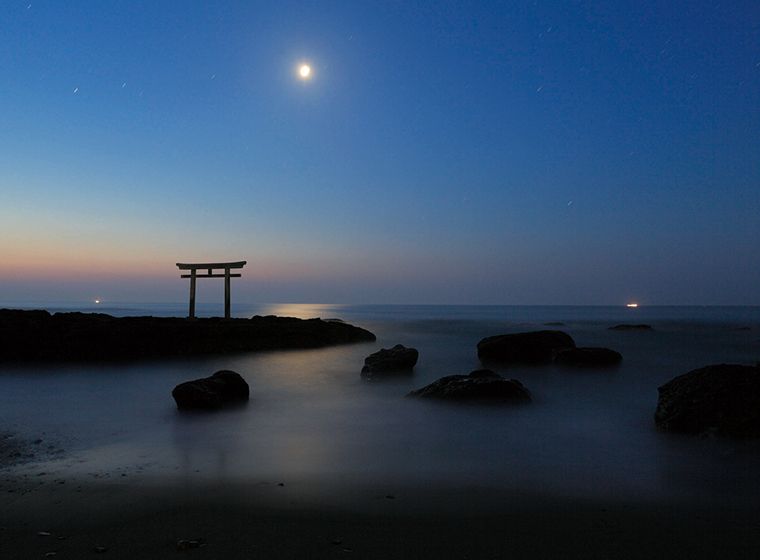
(398, 359)
(482, 385)
(529, 347)
(721, 399)
(34, 336)
(591, 357)
(627, 327)
(223, 388)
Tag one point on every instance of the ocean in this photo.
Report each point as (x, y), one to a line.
(587, 433)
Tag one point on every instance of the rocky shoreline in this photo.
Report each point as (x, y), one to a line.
(39, 336)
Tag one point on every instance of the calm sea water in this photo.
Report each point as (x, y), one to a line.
(587, 433)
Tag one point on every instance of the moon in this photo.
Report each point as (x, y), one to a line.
(304, 71)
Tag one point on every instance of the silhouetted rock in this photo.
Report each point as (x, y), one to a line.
(390, 360)
(591, 357)
(29, 336)
(721, 399)
(626, 327)
(528, 347)
(482, 385)
(222, 388)
(555, 324)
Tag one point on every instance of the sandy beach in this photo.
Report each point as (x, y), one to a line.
(131, 517)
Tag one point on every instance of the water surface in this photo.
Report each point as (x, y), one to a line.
(587, 433)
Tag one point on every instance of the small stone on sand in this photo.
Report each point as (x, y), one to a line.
(187, 544)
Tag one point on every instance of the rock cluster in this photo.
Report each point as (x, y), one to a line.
(722, 399)
(34, 336)
(540, 347)
(482, 385)
(588, 357)
(528, 347)
(225, 387)
(398, 359)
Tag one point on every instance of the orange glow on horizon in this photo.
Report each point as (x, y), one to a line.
(67, 266)
(82, 268)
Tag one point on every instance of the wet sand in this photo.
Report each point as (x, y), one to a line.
(131, 517)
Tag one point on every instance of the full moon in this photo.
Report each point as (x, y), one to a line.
(304, 71)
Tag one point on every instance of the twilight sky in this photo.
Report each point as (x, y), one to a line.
(444, 152)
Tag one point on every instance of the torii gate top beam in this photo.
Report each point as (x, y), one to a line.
(191, 266)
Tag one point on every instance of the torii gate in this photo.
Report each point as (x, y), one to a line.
(194, 267)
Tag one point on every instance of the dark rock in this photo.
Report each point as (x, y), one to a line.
(481, 385)
(37, 336)
(719, 399)
(398, 359)
(588, 357)
(528, 347)
(222, 388)
(555, 324)
(484, 374)
(626, 327)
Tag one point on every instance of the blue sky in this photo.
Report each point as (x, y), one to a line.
(444, 152)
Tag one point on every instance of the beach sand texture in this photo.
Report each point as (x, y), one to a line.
(78, 519)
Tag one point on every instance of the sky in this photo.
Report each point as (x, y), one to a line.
(442, 152)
